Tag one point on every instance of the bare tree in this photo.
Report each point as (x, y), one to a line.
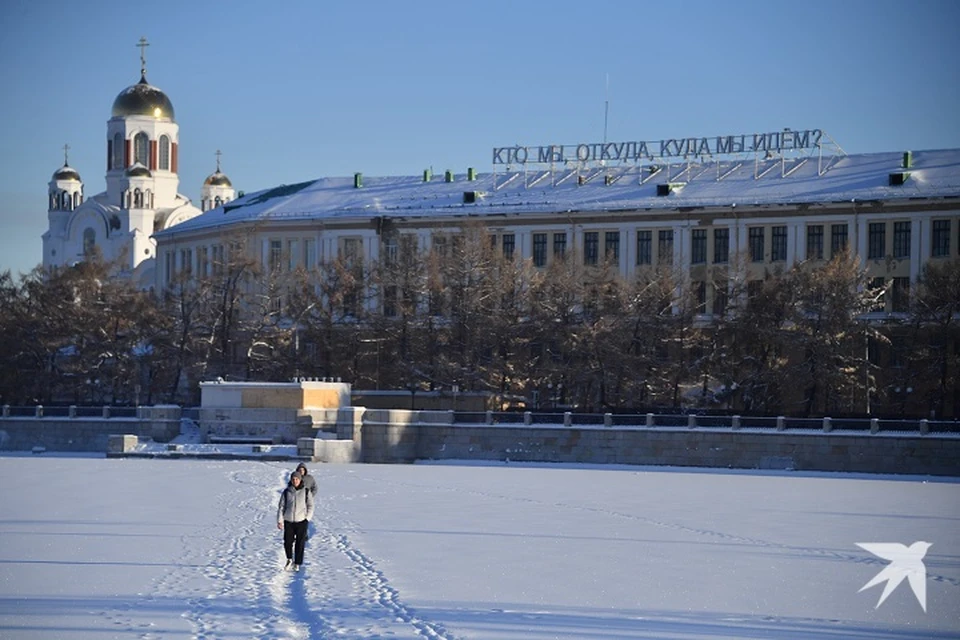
(935, 336)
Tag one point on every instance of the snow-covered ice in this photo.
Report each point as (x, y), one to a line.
(97, 548)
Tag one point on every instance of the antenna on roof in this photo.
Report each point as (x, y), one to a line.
(606, 109)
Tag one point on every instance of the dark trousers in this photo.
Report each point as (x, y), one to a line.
(294, 539)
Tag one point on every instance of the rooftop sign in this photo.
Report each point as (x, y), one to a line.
(686, 148)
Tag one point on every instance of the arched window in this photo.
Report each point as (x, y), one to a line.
(89, 241)
(66, 201)
(165, 153)
(76, 200)
(53, 201)
(137, 199)
(217, 202)
(141, 149)
(117, 151)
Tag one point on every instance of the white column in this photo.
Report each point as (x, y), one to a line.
(920, 242)
(629, 253)
(796, 243)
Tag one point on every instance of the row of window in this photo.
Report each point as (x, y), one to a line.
(65, 201)
(137, 199)
(205, 261)
(211, 203)
(288, 254)
(756, 240)
(116, 151)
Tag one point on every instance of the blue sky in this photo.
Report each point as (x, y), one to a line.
(291, 91)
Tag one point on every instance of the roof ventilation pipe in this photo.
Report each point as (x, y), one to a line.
(471, 174)
(427, 175)
(357, 180)
(448, 176)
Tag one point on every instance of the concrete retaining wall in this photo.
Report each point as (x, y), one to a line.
(160, 423)
(405, 436)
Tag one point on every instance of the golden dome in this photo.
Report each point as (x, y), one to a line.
(217, 180)
(143, 99)
(66, 172)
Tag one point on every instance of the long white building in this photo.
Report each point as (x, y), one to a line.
(696, 203)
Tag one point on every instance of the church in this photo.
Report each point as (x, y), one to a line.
(142, 189)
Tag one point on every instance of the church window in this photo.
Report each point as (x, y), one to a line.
(77, 199)
(89, 241)
(66, 201)
(165, 153)
(217, 202)
(137, 199)
(141, 149)
(117, 151)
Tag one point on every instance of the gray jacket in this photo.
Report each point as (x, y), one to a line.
(310, 485)
(295, 505)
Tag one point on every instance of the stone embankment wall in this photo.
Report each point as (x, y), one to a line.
(389, 436)
(160, 423)
(402, 436)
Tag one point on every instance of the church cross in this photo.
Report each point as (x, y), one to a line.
(218, 154)
(66, 148)
(143, 44)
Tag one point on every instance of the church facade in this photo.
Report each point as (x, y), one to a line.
(142, 190)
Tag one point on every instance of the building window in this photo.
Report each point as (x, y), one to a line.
(665, 248)
(700, 289)
(644, 247)
(815, 242)
(838, 239)
(216, 256)
(698, 246)
(901, 294)
(276, 255)
(309, 253)
(778, 244)
(721, 246)
(876, 240)
(186, 261)
(117, 151)
(169, 264)
(901, 240)
(509, 243)
(591, 248)
(390, 249)
(89, 241)
(611, 246)
(941, 239)
(720, 299)
(390, 302)
(165, 153)
(756, 243)
(560, 244)
(877, 285)
(203, 263)
(141, 149)
(539, 249)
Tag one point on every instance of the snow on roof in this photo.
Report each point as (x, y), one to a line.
(933, 174)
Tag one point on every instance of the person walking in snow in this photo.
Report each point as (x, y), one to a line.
(309, 482)
(293, 513)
